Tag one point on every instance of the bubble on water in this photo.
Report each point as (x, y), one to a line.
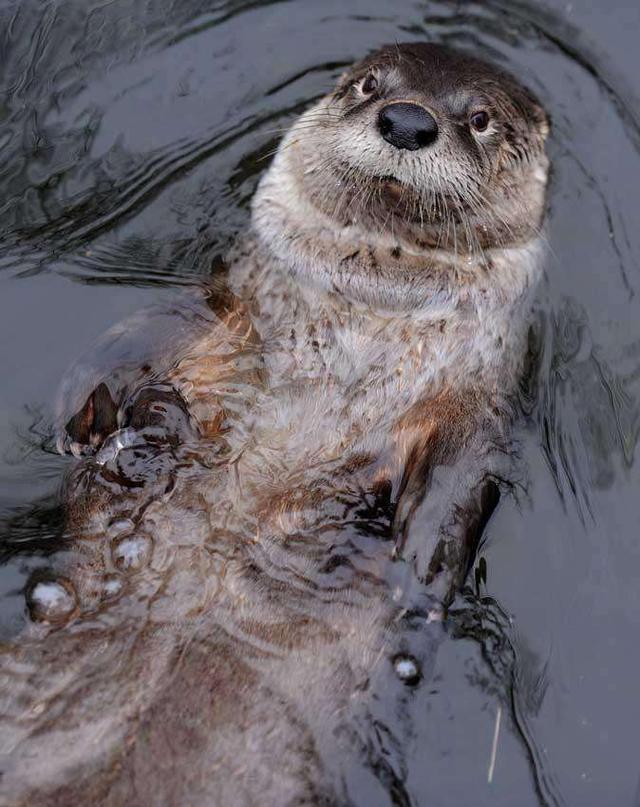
(119, 527)
(125, 438)
(132, 553)
(51, 600)
(112, 587)
(407, 669)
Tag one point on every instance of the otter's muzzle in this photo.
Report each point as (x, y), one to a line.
(407, 126)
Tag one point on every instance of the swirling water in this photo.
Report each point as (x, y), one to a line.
(132, 138)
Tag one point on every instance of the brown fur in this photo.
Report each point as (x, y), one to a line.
(293, 501)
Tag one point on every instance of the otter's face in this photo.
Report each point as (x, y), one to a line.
(429, 145)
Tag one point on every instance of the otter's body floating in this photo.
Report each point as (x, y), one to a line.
(283, 502)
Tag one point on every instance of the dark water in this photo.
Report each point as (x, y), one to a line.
(132, 137)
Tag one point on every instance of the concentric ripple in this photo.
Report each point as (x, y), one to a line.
(132, 136)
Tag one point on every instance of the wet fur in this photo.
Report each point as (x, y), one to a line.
(357, 372)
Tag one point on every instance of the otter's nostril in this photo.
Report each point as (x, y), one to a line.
(407, 126)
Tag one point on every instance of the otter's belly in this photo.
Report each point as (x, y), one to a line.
(233, 603)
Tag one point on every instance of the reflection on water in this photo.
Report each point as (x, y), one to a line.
(132, 138)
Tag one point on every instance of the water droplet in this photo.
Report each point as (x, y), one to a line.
(407, 669)
(112, 587)
(119, 526)
(113, 445)
(51, 601)
(132, 553)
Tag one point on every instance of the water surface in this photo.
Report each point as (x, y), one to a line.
(132, 137)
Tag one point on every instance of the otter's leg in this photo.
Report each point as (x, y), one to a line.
(442, 513)
(155, 345)
(96, 420)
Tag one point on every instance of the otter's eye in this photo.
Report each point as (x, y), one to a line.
(369, 85)
(479, 120)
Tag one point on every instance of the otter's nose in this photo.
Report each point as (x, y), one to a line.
(407, 126)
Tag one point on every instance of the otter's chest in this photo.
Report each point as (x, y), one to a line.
(329, 391)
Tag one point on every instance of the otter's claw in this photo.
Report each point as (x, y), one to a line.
(88, 428)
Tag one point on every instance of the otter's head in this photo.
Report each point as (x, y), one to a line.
(428, 144)
(418, 146)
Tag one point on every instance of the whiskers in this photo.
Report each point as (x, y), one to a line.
(443, 205)
(308, 125)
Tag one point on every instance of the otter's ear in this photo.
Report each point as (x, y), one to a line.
(541, 120)
(535, 114)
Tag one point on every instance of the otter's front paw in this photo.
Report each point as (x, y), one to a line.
(85, 431)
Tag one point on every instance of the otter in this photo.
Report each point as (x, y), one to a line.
(270, 513)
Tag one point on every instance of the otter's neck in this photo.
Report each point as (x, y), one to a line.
(374, 270)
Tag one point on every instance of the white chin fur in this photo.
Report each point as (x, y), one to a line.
(312, 249)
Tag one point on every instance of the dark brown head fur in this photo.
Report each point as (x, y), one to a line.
(480, 180)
